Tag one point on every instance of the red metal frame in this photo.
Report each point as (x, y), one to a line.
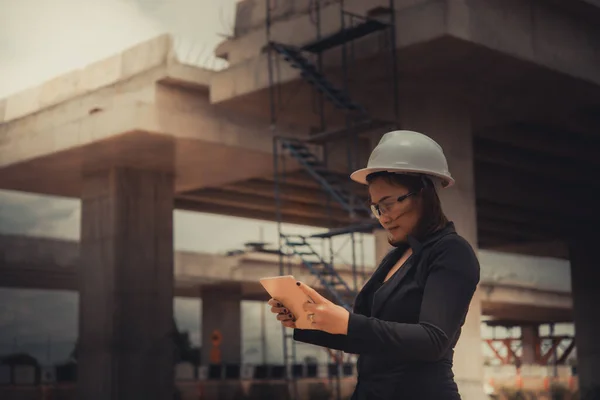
(542, 358)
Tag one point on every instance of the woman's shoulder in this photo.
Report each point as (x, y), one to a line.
(454, 252)
(453, 241)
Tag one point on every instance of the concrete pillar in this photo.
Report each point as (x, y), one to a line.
(585, 282)
(222, 312)
(446, 119)
(530, 342)
(126, 286)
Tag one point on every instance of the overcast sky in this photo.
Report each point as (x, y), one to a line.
(40, 39)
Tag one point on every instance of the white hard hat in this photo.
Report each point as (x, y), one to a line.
(407, 152)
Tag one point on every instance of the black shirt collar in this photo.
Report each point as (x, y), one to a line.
(417, 245)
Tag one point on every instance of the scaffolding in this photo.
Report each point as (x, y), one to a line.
(316, 252)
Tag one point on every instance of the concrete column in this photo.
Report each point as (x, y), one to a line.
(446, 119)
(126, 286)
(222, 312)
(530, 342)
(585, 282)
(382, 246)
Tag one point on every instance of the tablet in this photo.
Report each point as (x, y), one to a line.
(285, 290)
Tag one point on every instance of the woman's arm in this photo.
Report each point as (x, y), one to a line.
(320, 338)
(451, 283)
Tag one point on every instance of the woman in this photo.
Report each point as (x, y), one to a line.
(408, 316)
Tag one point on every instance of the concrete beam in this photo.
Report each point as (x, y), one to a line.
(314, 194)
(542, 140)
(528, 192)
(153, 58)
(525, 304)
(120, 112)
(130, 147)
(210, 206)
(132, 106)
(545, 33)
(504, 294)
(37, 263)
(133, 62)
(52, 254)
(261, 203)
(554, 249)
(127, 123)
(519, 214)
(535, 162)
(492, 240)
(417, 22)
(288, 192)
(502, 226)
(512, 316)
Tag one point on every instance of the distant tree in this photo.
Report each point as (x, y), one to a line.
(184, 350)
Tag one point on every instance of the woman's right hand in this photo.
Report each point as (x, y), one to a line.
(283, 314)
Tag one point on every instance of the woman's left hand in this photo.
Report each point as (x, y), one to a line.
(327, 316)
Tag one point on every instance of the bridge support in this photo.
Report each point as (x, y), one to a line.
(530, 342)
(221, 325)
(585, 281)
(446, 118)
(126, 286)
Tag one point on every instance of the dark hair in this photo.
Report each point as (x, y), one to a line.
(432, 216)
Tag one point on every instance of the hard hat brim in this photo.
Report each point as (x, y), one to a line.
(360, 175)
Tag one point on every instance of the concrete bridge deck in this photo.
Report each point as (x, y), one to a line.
(36, 263)
(146, 110)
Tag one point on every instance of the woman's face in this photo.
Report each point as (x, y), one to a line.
(398, 218)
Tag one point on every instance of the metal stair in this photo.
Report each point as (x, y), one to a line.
(328, 180)
(364, 28)
(321, 269)
(311, 74)
(362, 125)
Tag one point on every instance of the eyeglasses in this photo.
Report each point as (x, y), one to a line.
(384, 207)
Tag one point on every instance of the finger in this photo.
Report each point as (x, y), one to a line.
(279, 310)
(310, 307)
(312, 293)
(285, 317)
(289, 324)
(274, 303)
(316, 309)
(316, 321)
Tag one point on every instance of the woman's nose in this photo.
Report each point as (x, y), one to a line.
(385, 218)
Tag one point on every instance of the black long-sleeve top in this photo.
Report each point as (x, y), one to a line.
(405, 329)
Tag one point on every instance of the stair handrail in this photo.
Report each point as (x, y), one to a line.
(335, 193)
(313, 271)
(294, 53)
